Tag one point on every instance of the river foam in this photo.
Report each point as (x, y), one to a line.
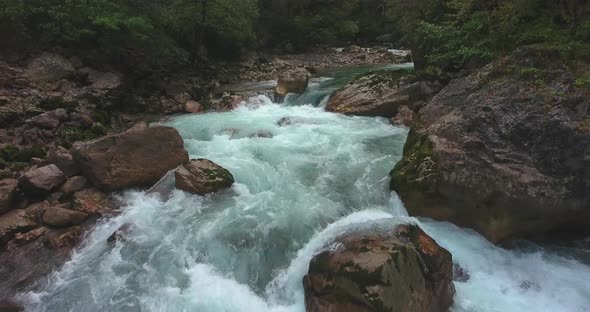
(299, 184)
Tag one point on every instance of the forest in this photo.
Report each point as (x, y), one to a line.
(443, 34)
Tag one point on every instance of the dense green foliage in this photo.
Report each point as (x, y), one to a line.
(443, 34)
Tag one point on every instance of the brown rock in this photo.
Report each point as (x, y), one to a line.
(66, 238)
(74, 184)
(9, 306)
(203, 176)
(405, 117)
(21, 239)
(291, 81)
(41, 181)
(84, 120)
(7, 193)
(92, 201)
(377, 94)
(131, 159)
(381, 269)
(12, 223)
(193, 107)
(62, 158)
(60, 217)
(51, 119)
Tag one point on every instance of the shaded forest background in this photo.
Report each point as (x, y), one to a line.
(443, 34)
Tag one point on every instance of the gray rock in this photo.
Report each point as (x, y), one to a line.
(49, 68)
(50, 120)
(41, 181)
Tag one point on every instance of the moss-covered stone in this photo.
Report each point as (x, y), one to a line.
(417, 165)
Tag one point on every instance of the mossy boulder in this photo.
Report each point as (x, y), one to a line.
(502, 153)
(380, 267)
(202, 176)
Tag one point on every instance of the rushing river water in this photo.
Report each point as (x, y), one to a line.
(247, 249)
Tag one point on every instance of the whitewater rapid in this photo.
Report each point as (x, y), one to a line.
(298, 186)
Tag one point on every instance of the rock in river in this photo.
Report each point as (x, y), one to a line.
(203, 176)
(399, 268)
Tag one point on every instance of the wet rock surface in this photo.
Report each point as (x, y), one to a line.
(381, 268)
(202, 176)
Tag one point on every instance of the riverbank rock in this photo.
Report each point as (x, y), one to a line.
(61, 217)
(372, 269)
(92, 201)
(202, 176)
(12, 223)
(51, 119)
(131, 159)
(48, 68)
(291, 81)
(41, 181)
(383, 94)
(8, 189)
(503, 151)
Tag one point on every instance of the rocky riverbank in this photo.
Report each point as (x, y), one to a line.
(503, 150)
(71, 134)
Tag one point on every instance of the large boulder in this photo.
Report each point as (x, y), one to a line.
(376, 94)
(203, 176)
(7, 193)
(131, 159)
(49, 68)
(41, 181)
(291, 81)
(503, 151)
(381, 268)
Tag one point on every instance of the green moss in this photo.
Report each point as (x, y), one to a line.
(416, 165)
(68, 135)
(10, 153)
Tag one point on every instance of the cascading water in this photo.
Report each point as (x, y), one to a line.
(299, 185)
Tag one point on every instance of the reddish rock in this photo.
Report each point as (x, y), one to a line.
(66, 238)
(193, 107)
(131, 159)
(7, 193)
(92, 201)
(60, 217)
(41, 181)
(203, 176)
(381, 268)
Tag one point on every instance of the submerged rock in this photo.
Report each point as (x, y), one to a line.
(203, 176)
(503, 151)
(121, 233)
(291, 81)
(397, 269)
(131, 159)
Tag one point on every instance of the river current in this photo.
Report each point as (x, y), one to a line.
(303, 176)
